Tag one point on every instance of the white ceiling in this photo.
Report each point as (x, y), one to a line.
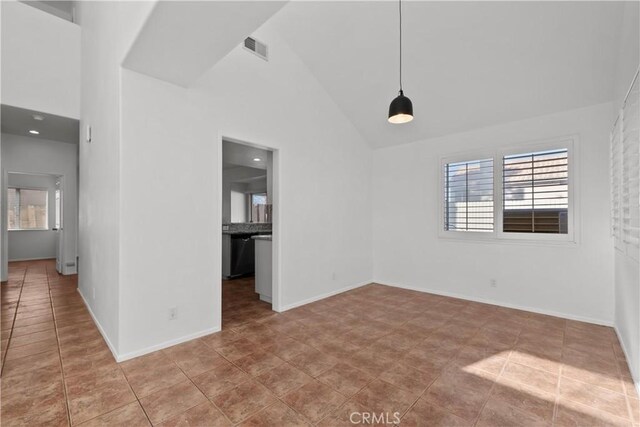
(18, 121)
(234, 154)
(466, 64)
(61, 9)
(182, 39)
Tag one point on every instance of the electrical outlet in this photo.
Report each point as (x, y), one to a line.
(333, 276)
(173, 313)
(493, 283)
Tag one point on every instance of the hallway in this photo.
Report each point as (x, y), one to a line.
(45, 329)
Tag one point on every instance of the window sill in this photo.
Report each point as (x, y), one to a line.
(490, 238)
(29, 229)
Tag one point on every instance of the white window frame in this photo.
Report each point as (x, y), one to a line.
(498, 235)
(46, 190)
(463, 234)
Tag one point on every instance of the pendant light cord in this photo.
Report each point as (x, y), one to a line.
(400, 14)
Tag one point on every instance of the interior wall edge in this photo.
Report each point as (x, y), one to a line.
(634, 375)
(323, 296)
(112, 348)
(166, 344)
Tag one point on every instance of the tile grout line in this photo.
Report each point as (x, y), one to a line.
(597, 387)
(113, 409)
(13, 322)
(196, 386)
(436, 377)
(624, 389)
(144, 411)
(262, 385)
(477, 418)
(347, 398)
(278, 398)
(55, 324)
(556, 403)
(258, 382)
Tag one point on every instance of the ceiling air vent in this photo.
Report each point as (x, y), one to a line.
(256, 47)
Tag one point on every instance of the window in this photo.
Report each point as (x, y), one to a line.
(625, 184)
(58, 222)
(468, 196)
(27, 209)
(259, 208)
(522, 193)
(535, 190)
(238, 206)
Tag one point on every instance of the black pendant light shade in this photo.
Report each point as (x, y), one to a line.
(401, 109)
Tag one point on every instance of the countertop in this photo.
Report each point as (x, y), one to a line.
(236, 232)
(262, 237)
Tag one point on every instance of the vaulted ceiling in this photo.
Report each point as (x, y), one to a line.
(466, 64)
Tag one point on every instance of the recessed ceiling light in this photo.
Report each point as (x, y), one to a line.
(38, 117)
(256, 159)
(35, 132)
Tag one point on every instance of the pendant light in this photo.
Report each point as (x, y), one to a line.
(401, 108)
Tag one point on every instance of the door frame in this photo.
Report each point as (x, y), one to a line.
(5, 220)
(61, 233)
(276, 297)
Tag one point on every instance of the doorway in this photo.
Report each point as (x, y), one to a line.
(249, 288)
(39, 153)
(34, 215)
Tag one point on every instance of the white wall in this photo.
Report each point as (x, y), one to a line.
(628, 53)
(322, 166)
(168, 171)
(31, 155)
(34, 244)
(627, 271)
(108, 29)
(570, 281)
(40, 61)
(171, 140)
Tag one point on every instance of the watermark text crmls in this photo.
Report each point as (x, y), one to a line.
(370, 418)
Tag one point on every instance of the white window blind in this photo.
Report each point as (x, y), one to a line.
(468, 196)
(536, 192)
(630, 195)
(616, 184)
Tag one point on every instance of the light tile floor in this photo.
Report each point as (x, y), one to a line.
(359, 356)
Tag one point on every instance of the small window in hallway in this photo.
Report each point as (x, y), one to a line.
(259, 208)
(27, 209)
(58, 223)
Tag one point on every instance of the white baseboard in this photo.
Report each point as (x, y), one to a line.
(265, 298)
(100, 328)
(65, 270)
(147, 350)
(503, 304)
(634, 375)
(323, 296)
(69, 270)
(167, 344)
(32, 259)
